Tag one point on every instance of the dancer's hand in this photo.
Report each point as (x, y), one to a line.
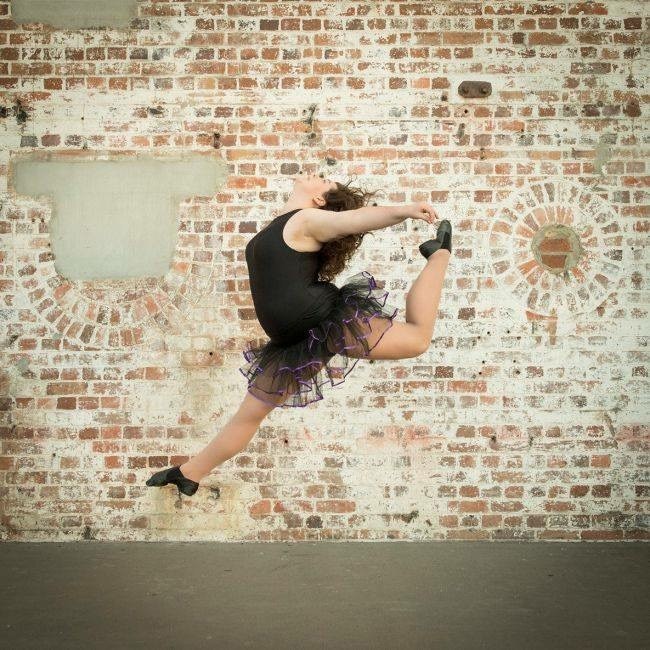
(423, 211)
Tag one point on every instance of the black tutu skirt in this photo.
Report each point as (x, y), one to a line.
(294, 375)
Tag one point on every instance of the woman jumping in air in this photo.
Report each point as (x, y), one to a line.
(315, 327)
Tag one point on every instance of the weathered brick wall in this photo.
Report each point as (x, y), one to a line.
(526, 419)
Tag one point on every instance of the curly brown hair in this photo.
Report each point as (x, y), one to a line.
(334, 255)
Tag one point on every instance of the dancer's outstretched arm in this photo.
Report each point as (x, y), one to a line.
(325, 225)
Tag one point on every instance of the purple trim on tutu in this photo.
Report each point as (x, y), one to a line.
(372, 286)
(298, 371)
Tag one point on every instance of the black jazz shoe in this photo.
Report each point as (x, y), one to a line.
(442, 240)
(175, 476)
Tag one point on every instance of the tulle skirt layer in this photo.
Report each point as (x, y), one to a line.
(294, 375)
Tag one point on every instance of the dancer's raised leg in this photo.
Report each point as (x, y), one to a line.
(412, 338)
(423, 298)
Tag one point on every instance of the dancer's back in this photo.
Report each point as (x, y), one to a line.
(287, 295)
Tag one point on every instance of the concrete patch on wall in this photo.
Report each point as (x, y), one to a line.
(75, 14)
(115, 219)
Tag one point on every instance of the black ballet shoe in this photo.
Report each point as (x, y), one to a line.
(175, 476)
(442, 240)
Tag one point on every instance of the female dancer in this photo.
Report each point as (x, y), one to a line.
(315, 327)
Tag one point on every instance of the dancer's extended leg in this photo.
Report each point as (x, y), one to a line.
(232, 439)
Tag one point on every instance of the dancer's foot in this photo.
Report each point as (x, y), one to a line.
(175, 476)
(442, 240)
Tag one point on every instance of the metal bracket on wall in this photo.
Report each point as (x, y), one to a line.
(472, 89)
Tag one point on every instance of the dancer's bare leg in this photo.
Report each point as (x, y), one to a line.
(232, 439)
(423, 298)
(413, 337)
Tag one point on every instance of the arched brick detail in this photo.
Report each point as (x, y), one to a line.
(558, 248)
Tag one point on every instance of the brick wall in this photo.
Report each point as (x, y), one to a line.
(528, 416)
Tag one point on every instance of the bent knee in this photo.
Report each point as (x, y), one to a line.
(401, 341)
(422, 346)
(419, 339)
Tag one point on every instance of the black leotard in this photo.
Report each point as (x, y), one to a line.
(287, 296)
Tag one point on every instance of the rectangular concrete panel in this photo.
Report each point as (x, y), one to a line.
(75, 14)
(115, 219)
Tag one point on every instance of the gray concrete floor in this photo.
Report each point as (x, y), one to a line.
(460, 595)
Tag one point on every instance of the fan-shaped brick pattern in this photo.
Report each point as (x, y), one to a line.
(557, 247)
